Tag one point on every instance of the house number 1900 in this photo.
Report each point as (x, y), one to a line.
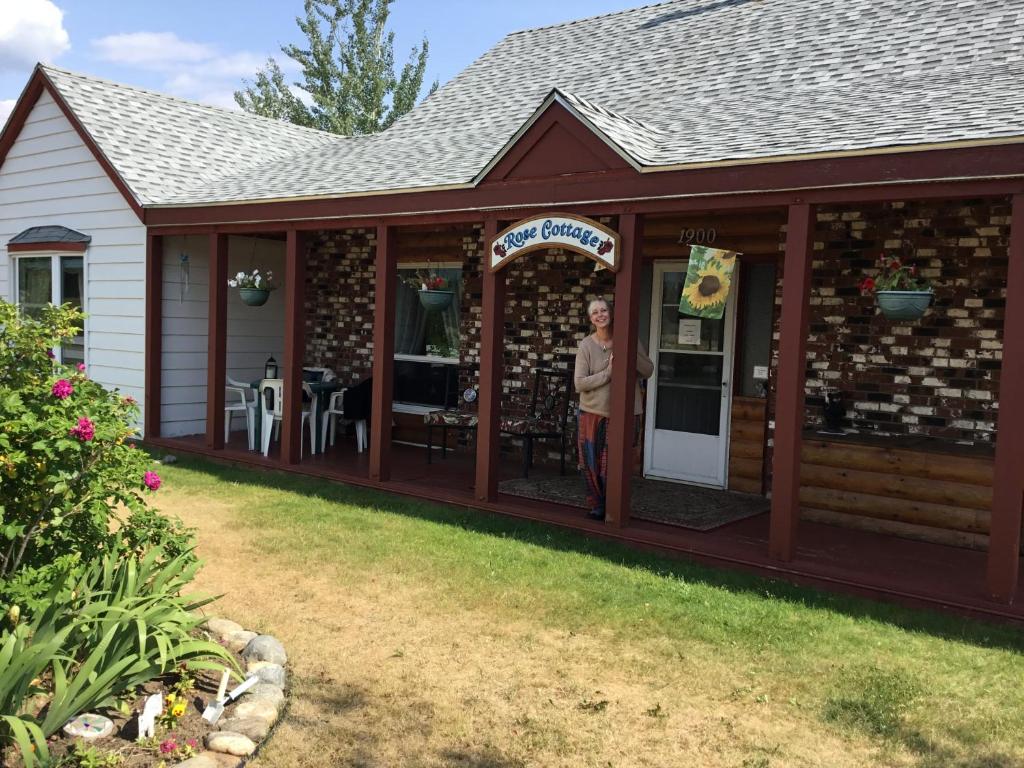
(697, 236)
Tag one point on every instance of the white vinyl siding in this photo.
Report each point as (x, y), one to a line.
(50, 177)
(254, 333)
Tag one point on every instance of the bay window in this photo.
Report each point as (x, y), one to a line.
(57, 279)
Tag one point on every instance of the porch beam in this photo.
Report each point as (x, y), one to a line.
(294, 346)
(789, 391)
(154, 334)
(492, 361)
(217, 331)
(385, 296)
(621, 420)
(1008, 481)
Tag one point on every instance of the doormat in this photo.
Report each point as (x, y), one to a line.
(688, 506)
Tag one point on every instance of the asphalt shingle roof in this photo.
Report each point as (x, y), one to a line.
(50, 233)
(685, 82)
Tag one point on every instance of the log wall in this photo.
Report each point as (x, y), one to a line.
(746, 445)
(938, 497)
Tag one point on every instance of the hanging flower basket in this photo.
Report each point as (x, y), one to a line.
(435, 301)
(903, 305)
(254, 297)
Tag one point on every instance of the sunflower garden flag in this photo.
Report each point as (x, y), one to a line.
(708, 279)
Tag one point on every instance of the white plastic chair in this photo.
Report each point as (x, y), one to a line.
(274, 414)
(240, 398)
(334, 411)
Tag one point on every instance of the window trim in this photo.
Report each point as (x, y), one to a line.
(55, 257)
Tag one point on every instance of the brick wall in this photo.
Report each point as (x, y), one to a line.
(937, 376)
(545, 313)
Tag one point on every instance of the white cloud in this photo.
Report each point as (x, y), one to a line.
(6, 107)
(192, 70)
(151, 50)
(31, 31)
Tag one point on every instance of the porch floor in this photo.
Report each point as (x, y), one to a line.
(860, 562)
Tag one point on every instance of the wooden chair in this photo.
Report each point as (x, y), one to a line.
(548, 416)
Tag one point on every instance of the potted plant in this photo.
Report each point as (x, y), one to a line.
(899, 292)
(253, 287)
(433, 290)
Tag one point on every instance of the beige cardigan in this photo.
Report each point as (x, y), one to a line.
(593, 378)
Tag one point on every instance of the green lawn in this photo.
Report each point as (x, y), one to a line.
(794, 666)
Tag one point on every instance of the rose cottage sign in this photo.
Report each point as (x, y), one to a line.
(557, 230)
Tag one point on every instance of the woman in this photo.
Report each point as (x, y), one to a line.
(593, 380)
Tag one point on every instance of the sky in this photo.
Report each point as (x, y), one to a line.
(203, 49)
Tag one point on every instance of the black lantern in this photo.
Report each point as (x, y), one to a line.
(270, 372)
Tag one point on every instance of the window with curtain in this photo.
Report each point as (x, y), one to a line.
(43, 280)
(427, 336)
(422, 331)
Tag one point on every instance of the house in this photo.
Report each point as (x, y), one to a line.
(792, 133)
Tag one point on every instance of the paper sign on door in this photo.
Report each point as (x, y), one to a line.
(689, 332)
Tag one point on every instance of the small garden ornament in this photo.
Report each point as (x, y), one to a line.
(899, 291)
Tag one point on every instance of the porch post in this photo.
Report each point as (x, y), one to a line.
(294, 346)
(216, 352)
(789, 391)
(154, 334)
(1008, 481)
(386, 284)
(492, 360)
(622, 421)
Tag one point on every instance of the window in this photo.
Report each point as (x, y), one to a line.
(428, 336)
(43, 280)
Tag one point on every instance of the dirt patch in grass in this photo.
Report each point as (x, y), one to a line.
(386, 672)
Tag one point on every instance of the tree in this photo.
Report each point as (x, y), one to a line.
(348, 70)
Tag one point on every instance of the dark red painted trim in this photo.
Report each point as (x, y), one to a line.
(22, 109)
(217, 342)
(978, 171)
(1008, 481)
(384, 298)
(621, 420)
(789, 397)
(294, 346)
(492, 361)
(154, 334)
(532, 144)
(54, 246)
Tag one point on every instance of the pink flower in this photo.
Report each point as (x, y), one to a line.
(152, 480)
(129, 400)
(85, 431)
(81, 366)
(49, 354)
(167, 746)
(62, 389)
(192, 743)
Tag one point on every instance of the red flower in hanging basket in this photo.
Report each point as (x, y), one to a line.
(867, 285)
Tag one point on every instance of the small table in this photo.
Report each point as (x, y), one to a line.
(322, 390)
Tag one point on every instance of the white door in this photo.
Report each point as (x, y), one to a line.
(688, 399)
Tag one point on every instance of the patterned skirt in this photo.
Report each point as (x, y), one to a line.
(592, 442)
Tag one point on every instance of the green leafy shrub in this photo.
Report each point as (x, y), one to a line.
(122, 623)
(68, 466)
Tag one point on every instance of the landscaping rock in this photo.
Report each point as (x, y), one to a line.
(264, 709)
(236, 641)
(272, 693)
(223, 627)
(209, 760)
(265, 648)
(170, 458)
(89, 726)
(230, 743)
(255, 728)
(267, 672)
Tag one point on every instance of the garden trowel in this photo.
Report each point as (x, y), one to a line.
(215, 709)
